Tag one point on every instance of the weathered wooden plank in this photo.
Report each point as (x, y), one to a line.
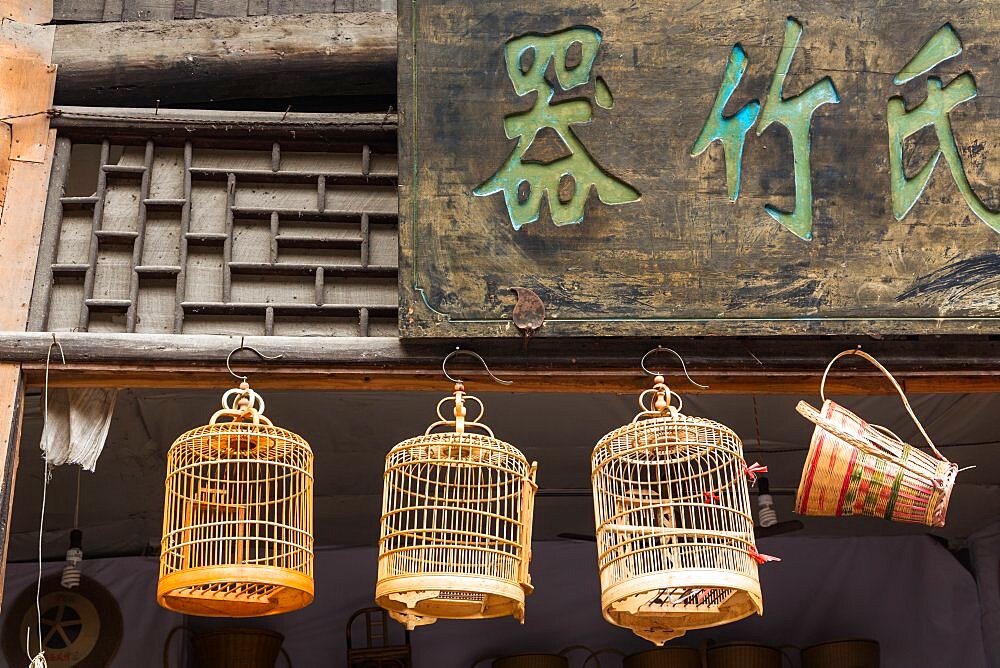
(20, 231)
(113, 10)
(682, 258)
(27, 80)
(218, 8)
(303, 6)
(28, 85)
(11, 410)
(52, 234)
(78, 10)
(147, 10)
(22, 40)
(246, 126)
(5, 161)
(180, 61)
(35, 12)
(374, 6)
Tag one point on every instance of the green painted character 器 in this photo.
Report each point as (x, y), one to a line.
(933, 111)
(526, 183)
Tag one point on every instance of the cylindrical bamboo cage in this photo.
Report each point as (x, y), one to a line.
(674, 531)
(842, 654)
(744, 655)
(456, 523)
(238, 516)
(238, 648)
(665, 657)
(532, 661)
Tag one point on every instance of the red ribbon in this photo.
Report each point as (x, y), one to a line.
(760, 558)
(753, 470)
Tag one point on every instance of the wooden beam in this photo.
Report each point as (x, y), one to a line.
(142, 62)
(245, 127)
(763, 366)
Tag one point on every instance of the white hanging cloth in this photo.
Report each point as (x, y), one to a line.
(77, 425)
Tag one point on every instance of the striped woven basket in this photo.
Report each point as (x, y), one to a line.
(857, 468)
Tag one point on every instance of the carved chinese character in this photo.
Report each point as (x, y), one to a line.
(794, 113)
(934, 110)
(565, 182)
(730, 131)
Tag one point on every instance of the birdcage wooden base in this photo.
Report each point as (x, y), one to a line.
(241, 591)
(420, 600)
(659, 607)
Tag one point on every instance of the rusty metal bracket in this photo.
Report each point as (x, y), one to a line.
(529, 312)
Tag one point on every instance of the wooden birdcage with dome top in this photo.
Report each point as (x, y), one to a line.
(238, 516)
(675, 535)
(456, 521)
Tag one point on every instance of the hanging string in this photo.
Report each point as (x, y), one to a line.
(753, 469)
(38, 661)
(76, 510)
(756, 420)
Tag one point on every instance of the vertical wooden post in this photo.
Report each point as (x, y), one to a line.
(27, 80)
(11, 410)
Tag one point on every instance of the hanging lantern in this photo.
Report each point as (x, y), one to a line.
(456, 521)
(675, 536)
(237, 520)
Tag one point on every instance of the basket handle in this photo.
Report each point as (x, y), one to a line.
(862, 354)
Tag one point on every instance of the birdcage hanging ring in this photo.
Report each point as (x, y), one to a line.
(456, 520)
(675, 540)
(238, 515)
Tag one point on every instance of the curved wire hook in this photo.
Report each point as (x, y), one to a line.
(657, 349)
(259, 354)
(463, 351)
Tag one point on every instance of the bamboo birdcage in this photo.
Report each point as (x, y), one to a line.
(238, 516)
(456, 523)
(675, 535)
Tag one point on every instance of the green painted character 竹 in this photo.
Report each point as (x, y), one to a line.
(525, 184)
(794, 113)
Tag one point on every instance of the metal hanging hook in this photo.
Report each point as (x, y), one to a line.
(463, 351)
(657, 349)
(259, 354)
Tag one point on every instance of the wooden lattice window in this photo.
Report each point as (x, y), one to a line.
(220, 222)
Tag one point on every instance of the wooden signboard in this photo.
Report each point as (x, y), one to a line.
(682, 167)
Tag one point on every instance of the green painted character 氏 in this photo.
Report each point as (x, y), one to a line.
(525, 184)
(933, 111)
